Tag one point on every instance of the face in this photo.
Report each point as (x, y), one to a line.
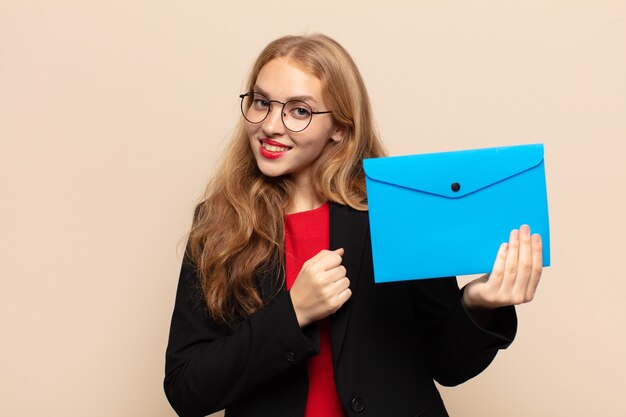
(277, 150)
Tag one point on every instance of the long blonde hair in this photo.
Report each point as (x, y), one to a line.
(238, 229)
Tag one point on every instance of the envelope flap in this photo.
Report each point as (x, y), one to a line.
(454, 174)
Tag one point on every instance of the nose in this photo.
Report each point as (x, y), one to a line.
(273, 123)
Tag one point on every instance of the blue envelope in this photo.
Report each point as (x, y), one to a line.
(443, 214)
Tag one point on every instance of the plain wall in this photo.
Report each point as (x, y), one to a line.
(113, 115)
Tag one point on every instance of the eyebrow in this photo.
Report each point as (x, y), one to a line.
(304, 98)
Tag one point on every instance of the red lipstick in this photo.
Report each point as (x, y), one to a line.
(272, 154)
(273, 143)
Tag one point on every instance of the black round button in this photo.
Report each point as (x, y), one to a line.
(358, 404)
(291, 356)
(455, 186)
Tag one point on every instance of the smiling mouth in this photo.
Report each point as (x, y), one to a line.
(273, 148)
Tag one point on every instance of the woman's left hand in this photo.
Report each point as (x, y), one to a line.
(515, 275)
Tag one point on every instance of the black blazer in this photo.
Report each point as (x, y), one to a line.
(389, 342)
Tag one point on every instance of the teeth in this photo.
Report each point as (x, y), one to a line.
(272, 148)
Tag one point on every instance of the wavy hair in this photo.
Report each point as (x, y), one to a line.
(237, 231)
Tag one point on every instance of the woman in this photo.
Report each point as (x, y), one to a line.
(276, 311)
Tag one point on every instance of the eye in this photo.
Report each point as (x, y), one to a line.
(260, 102)
(299, 110)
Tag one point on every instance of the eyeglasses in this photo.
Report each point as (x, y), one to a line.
(295, 114)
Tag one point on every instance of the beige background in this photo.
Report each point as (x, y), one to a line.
(112, 117)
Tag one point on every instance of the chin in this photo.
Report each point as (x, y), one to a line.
(270, 171)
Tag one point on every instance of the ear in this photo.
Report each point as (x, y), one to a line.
(338, 134)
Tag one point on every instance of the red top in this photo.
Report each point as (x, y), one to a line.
(306, 234)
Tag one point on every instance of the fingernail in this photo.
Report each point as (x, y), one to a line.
(514, 234)
(504, 247)
(525, 229)
(536, 238)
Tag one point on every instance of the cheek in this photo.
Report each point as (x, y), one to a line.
(317, 140)
(251, 130)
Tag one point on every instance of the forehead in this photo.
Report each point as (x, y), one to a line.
(283, 79)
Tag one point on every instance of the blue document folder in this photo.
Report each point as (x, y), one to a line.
(444, 214)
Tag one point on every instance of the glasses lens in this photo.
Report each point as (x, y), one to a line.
(254, 107)
(297, 115)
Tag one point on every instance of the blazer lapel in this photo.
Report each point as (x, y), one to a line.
(348, 230)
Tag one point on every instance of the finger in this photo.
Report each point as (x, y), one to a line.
(325, 252)
(336, 273)
(342, 297)
(330, 261)
(524, 266)
(497, 272)
(537, 268)
(510, 266)
(324, 260)
(316, 257)
(340, 285)
(337, 294)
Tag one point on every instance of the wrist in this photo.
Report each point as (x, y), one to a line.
(299, 312)
(468, 302)
(480, 314)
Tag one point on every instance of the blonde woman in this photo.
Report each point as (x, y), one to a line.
(277, 313)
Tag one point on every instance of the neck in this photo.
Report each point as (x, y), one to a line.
(305, 198)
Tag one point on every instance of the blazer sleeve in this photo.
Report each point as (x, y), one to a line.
(458, 348)
(209, 366)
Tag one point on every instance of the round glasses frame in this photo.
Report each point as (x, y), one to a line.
(298, 104)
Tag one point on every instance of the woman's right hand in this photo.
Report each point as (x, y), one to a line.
(320, 288)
